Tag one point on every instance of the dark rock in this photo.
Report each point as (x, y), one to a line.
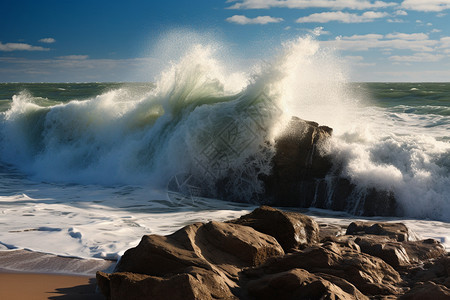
(427, 291)
(197, 284)
(103, 283)
(395, 231)
(242, 259)
(379, 203)
(161, 255)
(420, 251)
(300, 284)
(391, 252)
(370, 275)
(200, 245)
(344, 285)
(297, 163)
(303, 175)
(394, 243)
(437, 270)
(329, 230)
(249, 246)
(342, 241)
(292, 230)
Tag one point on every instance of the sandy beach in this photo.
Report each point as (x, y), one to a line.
(47, 276)
(30, 286)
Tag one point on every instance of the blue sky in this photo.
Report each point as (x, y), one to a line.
(97, 40)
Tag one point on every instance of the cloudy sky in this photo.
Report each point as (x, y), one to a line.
(82, 41)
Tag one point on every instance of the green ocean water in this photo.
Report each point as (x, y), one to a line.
(424, 97)
(47, 94)
(417, 98)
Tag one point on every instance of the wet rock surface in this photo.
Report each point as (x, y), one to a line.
(303, 175)
(272, 254)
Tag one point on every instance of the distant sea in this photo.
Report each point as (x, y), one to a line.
(86, 169)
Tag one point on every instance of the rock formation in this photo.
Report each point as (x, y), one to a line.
(303, 175)
(271, 254)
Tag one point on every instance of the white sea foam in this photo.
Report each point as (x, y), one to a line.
(97, 171)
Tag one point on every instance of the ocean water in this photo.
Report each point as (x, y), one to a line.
(86, 169)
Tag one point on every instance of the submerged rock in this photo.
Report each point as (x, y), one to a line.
(271, 254)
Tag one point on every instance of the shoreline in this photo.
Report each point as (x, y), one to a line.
(27, 261)
(37, 286)
(35, 276)
(25, 274)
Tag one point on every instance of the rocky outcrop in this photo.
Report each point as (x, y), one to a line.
(291, 230)
(370, 275)
(394, 231)
(301, 284)
(303, 175)
(298, 164)
(271, 254)
(393, 242)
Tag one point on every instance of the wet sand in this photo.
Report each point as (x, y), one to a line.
(47, 276)
(29, 286)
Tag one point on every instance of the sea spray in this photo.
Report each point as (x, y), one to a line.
(187, 124)
(220, 126)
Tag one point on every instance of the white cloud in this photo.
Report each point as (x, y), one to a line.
(302, 4)
(395, 21)
(74, 57)
(418, 42)
(426, 5)
(319, 31)
(47, 40)
(417, 57)
(8, 47)
(343, 17)
(401, 13)
(354, 58)
(445, 42)
(407, 36)
(370, 36)
(357, 61)
(436, 30)
(243, 20)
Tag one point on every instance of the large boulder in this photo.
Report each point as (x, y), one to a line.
(195, 284)
(297, 163)
(200, 245)
(392, 253)
(205, 259)
(291, 229)
(395, 231)
(303, 175)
